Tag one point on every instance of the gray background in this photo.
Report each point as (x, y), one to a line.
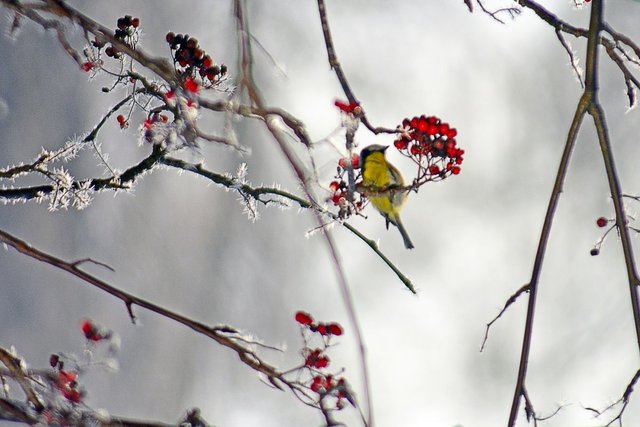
(185, 244)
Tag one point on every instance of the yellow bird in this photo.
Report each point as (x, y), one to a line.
(382, 178)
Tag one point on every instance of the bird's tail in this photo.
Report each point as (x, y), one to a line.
(405, 236)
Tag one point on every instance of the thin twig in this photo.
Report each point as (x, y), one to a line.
(337, 68)
(572, 59)
(219, 335)
(624, 399)
(507, 304)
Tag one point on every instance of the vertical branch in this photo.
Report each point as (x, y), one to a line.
(256, 98)
(585, 103)
(597, 113)
(542, 247)
(331, 53)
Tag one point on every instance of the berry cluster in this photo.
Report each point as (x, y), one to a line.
(431, 144)
(324, 329)
(327, 385)
(339, 193)
(340, 190)
(66, 381)
(315, 360)
(127, 32)
(190, 59)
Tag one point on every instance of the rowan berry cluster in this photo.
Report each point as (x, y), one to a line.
(191, 60)
(316, 361)
(66, 380)
(339, 197)
(430, 143)
(126, 32)
(340, 189)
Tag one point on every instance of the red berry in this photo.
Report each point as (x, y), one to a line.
(432, 130)
(335, 329)
(303, 318)
(455, 170)
(400, 144)
(421, 124)
(355, 161)
(88, 329)
(322, 329)
(120, 118)
(317, 383)
(602, 222)
(72, 395)
(135, 22)
(321, 362)
(190, 85)
(87, 66)
(66, 377)
(434, 169)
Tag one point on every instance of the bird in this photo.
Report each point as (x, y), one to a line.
(381, 177)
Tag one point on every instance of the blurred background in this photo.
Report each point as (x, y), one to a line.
(185, 244)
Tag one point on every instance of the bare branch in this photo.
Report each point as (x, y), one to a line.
(511, 300)
(248, 356)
